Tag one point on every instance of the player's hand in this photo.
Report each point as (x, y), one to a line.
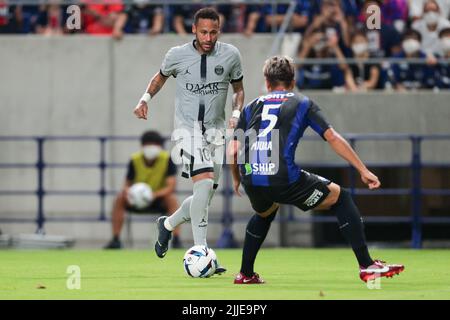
(236, 185)
(232, 123)
(370, 180)
(141, 110)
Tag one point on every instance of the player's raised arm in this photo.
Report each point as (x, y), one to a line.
(157, 82)
(342, 148)
(238, 102)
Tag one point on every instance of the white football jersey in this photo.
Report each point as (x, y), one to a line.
(202, 82)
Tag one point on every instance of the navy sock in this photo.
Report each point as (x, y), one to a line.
(256, 232)
(352, 227)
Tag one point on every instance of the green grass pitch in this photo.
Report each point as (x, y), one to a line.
(289, 273)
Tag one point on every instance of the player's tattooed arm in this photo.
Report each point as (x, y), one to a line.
(238, 102)
(157, 82)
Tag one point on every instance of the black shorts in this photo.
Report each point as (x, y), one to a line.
(156, 206)
(306, 193)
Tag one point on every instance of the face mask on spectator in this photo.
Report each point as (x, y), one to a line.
(445, 44)
(431, 18)
(411, 46)
(151, 151)
(360, 48)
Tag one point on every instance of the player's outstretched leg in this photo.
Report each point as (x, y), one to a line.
(379, 269)
(352, 228)
(199, 210)
(203, 191)
(165, 226)
(164, 235)
(256, 232)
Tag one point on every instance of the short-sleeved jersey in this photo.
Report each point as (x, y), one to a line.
(273, 125)
(202, 82)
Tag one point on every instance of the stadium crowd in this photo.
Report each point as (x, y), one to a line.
(328, 28)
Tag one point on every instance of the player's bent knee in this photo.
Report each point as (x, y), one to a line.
(332, 197)
(268, 212)
(344, 199)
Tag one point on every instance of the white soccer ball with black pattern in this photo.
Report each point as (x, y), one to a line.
(200, 262)
(140, 195)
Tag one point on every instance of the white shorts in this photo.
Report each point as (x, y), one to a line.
(200, 156)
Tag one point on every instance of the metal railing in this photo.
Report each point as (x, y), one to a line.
(416, 191)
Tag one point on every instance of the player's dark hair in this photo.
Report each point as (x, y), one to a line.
(152, 137)
(412, 33)
(206, 13)
(279, 70)
(444, 32)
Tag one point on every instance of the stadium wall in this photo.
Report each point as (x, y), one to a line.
(81, 85)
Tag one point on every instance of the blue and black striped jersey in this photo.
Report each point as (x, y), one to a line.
(270, 128)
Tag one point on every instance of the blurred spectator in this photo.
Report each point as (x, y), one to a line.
(9, 22)
(361, 76)
(331, 20)
(350, 8)
(416, 8)
(140, 17)
(410, 76)
(429, 27)
(260, 18)
(153, 166)
(100, 16)
(395, 13)
(51, 20)
(29, 15)
(183, 17)
(443, 68)
(233, 17)
(321, 76)
(254, 23)
(383, 42)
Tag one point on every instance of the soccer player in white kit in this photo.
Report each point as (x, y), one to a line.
(203, 70)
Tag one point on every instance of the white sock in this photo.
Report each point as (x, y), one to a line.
(180, 216)
(167, 225)
(199, 210)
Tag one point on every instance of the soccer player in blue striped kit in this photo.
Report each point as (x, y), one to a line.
(271, 126)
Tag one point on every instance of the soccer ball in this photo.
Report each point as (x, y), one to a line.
(200, 262)
(140, 195)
